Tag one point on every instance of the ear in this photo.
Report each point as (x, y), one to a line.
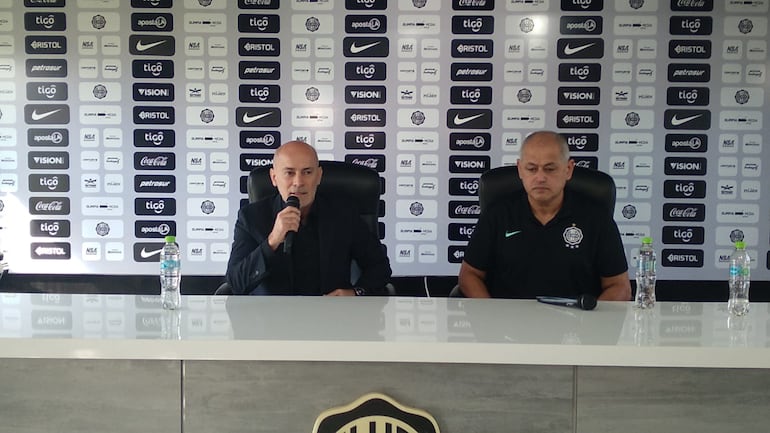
(272, 177)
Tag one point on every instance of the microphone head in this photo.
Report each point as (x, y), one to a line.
(586, 302)
(292, 201)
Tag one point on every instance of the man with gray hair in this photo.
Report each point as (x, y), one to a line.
(546, 241)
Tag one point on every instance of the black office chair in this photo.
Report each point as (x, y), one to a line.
(360, 184)
(503, 182)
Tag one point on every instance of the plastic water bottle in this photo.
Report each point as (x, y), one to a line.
(740, 279)
(645, 275)
(170, 274)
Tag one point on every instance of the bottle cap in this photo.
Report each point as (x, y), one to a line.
(740, 245)
(647, 240)
(170, 239)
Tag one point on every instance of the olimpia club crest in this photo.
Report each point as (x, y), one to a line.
(573, 236)
(375, 412)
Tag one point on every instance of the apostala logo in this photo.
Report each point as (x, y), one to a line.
(375, 412)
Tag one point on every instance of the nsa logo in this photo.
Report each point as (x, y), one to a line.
(375, 412)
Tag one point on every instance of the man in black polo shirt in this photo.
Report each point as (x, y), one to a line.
(328, 234)
(545, 242)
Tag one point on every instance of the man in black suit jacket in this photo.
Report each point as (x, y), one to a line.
(329, 235)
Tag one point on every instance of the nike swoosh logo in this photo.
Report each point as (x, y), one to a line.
(460, 120)
(675, 121)
(568, 50)
(249, 119)
(355, 49)
(147, 254)
(509, 234)
(144, 47)
(40, 116)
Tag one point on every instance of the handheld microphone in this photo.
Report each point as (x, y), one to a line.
(584, 302)
(292, 201)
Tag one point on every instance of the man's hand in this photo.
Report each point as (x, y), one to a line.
(341, 292)
(287, 220)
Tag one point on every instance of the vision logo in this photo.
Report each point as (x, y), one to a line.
(468, 163)
(685, 166)
(579, 95)
(45, 21)
(153, 92)
(365, 94)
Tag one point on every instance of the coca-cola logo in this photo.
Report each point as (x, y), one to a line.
(154, 161)
(49, 205)
(375, 162)
(464, 209)
(684, 212)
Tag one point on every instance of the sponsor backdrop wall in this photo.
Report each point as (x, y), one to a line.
(123, 121)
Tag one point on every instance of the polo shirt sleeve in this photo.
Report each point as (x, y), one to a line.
(612, 255)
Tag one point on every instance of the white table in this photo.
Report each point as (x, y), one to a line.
(224, 363)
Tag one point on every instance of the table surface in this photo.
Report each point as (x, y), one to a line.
(381, 329)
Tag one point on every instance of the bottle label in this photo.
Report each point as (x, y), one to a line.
(736, 270)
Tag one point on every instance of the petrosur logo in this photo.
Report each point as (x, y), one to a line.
(375, 412)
